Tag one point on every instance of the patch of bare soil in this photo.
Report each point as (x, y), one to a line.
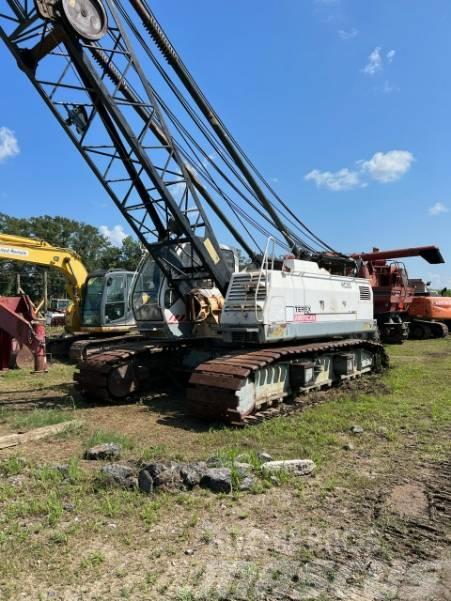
(408, 500)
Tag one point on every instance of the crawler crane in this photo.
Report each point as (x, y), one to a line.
(244, 340)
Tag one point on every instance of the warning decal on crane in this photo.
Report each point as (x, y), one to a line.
(14, 252)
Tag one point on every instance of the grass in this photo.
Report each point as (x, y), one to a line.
(102, 437)
(37, 418)
(36, 525)
(418, 399)
(60, 375)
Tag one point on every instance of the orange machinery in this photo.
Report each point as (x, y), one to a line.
(426, 305)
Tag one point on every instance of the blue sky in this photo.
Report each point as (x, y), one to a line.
(343, 104)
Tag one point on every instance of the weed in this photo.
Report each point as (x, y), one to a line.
(234, 534)
(206, 537)
(149, 513)
(12, 466)
(110, 504)
(192, 522)
(74, 472)
(102, 436)
(152, 453)
(126, 593)
(92, 560)
(54, 508)
(184, 594)
(70, 430)
(47, 473)
(58, 537)
(151, 578)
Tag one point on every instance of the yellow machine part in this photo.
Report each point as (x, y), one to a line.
(66, 261)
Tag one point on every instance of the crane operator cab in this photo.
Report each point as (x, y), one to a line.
(160, 312)
(105, 304)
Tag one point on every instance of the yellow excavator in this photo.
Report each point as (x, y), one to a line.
(99, 305)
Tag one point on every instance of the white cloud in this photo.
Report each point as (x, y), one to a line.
(389, 166)
(382, 167)
(390, 56)
(347, 35)
(9, 146)
(374, 63)
(115, 235)
(337, 181)
(438, 209)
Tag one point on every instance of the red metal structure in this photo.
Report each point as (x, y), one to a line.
(393, 294)
(21, 327)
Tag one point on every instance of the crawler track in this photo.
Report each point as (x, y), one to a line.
(421, 329)
(114, 374)
(214, 383)
(127, 369)
(80, 349)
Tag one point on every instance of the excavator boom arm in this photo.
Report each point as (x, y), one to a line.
(431, 254)
(39, 252)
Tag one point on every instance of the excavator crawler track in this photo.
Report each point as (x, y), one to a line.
(422, 329)
(214, 385)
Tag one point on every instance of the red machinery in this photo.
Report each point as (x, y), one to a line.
(393, 294)
(20, 327)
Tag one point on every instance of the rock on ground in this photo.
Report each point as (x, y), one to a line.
(121, 475)
(264, 457)
(300, 467)
(165, 476)
(356, 429)
(192, 473)
(243, 469)
(217, 479)
(108, 450)
(247, 483)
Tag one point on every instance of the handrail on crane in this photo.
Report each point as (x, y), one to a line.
(267, 259)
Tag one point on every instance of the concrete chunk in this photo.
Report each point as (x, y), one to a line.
(299, 467)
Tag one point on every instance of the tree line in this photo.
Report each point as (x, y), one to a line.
(95, 250)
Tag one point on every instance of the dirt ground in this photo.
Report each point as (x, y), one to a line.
(372, 523)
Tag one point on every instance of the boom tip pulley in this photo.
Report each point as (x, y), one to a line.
(87, 18)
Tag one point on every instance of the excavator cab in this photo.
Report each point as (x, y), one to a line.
(106, 301)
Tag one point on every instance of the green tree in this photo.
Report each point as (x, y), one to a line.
(126, 256)
(95, 250)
